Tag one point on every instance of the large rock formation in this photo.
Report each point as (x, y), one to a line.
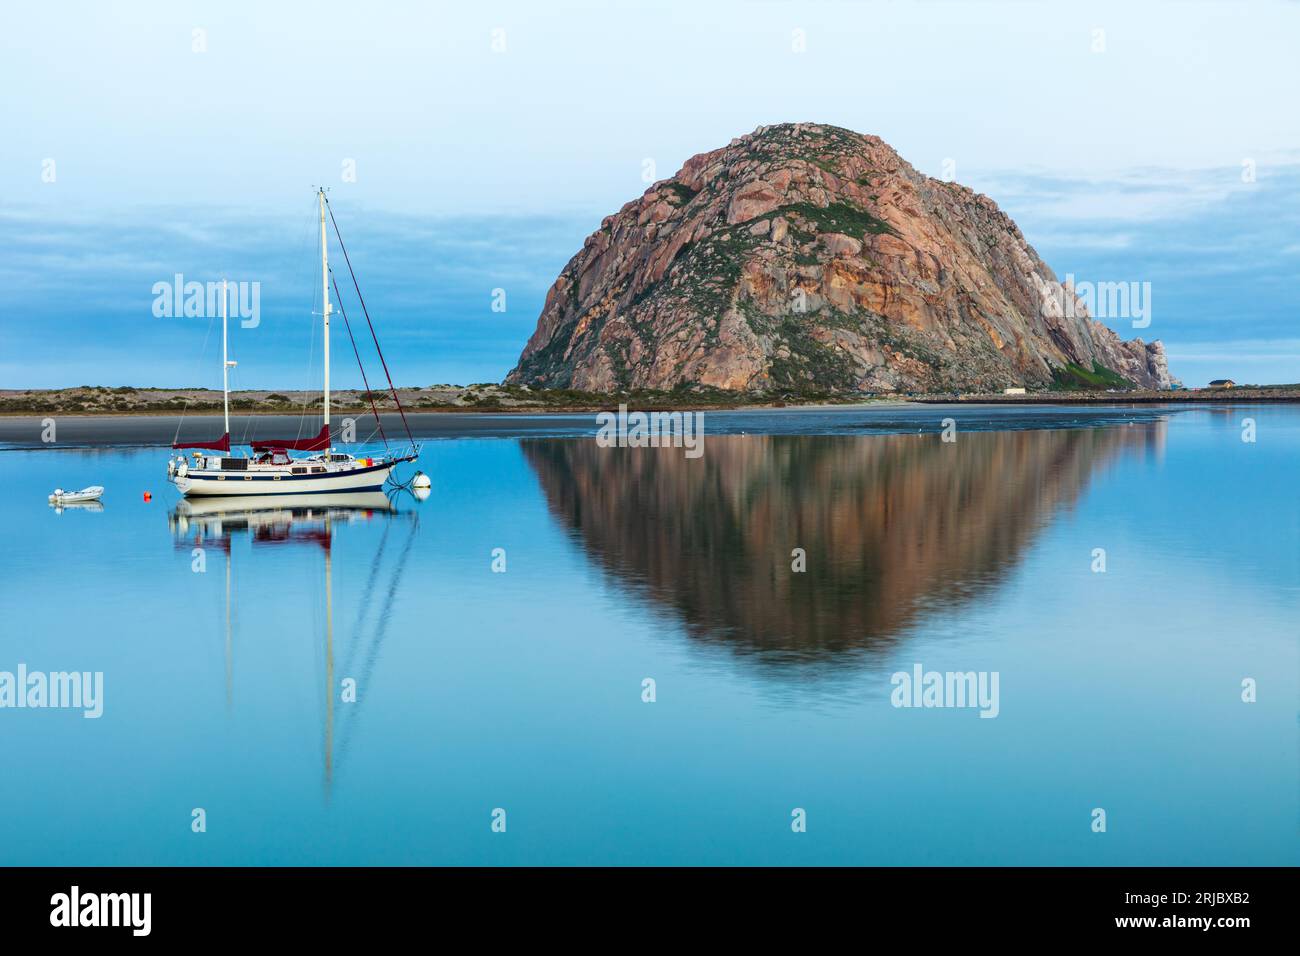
(811, 258)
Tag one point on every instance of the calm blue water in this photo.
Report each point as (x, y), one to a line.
(522, 690)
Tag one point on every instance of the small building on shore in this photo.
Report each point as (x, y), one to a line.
(1013, 391)
(1223, 383)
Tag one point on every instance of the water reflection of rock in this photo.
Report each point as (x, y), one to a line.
(892, 525)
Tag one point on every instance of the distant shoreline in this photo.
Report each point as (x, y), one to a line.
(491, 399)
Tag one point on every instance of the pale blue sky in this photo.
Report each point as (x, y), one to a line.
(478, 169)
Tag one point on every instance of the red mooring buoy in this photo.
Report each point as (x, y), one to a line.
(148, 497)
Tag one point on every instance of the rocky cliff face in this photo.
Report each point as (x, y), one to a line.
(811, 258)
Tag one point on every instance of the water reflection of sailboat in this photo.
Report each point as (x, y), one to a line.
(272, 518)
(893, 527)
(311, 520)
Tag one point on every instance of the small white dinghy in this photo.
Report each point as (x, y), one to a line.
(61, 497)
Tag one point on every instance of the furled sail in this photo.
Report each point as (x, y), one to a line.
(216, 444)
(317, 443)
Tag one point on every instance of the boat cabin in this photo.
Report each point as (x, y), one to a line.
(277, 460)
(273, 456)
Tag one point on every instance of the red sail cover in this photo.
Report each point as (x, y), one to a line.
(217, 444)
(318, 443)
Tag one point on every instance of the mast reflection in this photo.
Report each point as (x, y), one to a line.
(311, 521)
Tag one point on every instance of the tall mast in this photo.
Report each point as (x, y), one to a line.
(225, 360)
(325, 298)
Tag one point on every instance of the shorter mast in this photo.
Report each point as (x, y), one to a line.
(222, 443)
(225, 360)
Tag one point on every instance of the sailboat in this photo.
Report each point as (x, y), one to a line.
(270, 470)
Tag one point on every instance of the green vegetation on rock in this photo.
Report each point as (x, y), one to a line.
(840, 217)
(1073, 377)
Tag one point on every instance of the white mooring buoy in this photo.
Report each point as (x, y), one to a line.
(420, 485)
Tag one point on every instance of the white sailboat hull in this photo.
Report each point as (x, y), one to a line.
(196, 484)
